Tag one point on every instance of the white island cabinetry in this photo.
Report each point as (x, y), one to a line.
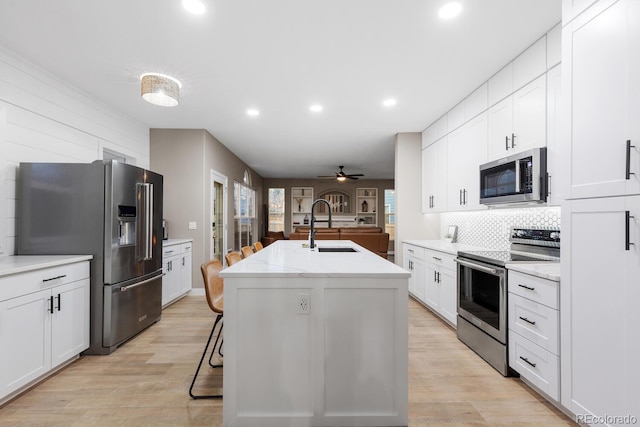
(176, 265)
(44, 317)
(315, 338)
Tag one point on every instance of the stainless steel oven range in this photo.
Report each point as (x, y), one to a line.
(482, 291)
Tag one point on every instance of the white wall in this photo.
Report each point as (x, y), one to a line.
(410, 222)
(44, 119)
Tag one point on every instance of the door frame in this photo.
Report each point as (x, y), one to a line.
(222, 179)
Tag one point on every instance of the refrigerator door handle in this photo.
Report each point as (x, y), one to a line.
(145, 195)
(126, 288)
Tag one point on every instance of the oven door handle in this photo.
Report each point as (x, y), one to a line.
(476, 266)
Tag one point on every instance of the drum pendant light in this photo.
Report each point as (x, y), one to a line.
(159, 89)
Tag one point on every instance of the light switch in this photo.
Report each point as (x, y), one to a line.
(192, 225)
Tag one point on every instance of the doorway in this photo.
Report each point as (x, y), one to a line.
(218, 216)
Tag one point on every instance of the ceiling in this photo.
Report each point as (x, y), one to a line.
(281, 56)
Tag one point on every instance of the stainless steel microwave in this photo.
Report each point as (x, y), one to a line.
(521, 177)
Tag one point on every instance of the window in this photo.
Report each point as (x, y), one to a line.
(390, 213)
(276, 209)
(244, 215)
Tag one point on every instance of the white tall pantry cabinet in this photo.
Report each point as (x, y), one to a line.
(600, 290)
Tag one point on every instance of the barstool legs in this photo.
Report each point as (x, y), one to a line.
(204, 353)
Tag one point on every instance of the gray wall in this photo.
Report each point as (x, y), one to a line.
(185, 157)
(410, 222)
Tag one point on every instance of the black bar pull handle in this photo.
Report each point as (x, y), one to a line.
(527, 360)
(506, 142)
(51, 304)
(54, 278)
(628, 172)
(438, 277)
(527, 320)
(460, 197)
(627, 230)
(527, 287)
(513, 140)
(59, 302)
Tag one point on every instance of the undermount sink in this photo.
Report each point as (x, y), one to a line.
(335, 249)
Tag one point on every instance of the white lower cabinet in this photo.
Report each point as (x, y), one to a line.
(44, 322)
(433, 280)
(413, 260)
(534, 325)
(600, 294)
(176, 265)
(441, 284)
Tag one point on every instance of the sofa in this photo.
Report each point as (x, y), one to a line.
(271, 237)
(371, 238)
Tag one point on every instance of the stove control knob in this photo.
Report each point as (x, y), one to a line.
(555, 235)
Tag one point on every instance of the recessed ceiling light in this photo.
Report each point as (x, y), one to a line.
(450, 10)
(316, 108)
(253, 112)
(194, 6)
(389, 102)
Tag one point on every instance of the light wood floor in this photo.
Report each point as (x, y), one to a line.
(145, 382)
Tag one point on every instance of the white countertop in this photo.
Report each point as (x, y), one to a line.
(287, 258)
(23, 263)
(444, 246)
(170, 242)
(546, 270)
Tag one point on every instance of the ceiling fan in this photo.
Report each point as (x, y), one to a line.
(341, 176)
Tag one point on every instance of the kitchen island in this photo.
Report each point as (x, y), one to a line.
(315, 338)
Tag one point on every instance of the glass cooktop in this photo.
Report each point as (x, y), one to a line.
(503, 257)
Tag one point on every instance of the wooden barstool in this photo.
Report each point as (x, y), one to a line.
(214, 291)
(232, 258)
(257, 246)
(247, 251)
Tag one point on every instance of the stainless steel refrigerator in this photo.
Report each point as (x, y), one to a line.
(112, 211)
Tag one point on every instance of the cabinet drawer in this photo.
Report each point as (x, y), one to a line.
(170, 251)
(534, 288)
(539, 366)
(414, 251)
(440, 259)
(186, 248)
(18, 284)
(535, 322)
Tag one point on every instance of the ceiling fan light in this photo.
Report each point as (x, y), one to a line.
(159, 89)
(341, 178)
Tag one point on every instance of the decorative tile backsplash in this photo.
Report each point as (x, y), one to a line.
(490, 228)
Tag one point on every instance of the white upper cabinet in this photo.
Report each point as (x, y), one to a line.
(434, 177)
(428, 136)
(456, 117)
(518, 123)
(531, 64)
(557, 174)
(441, 127)
(530, 116)
(554, 46)
(601, 62)
(467, 149)
(572, 8)
(476, 103)
(501, 84)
